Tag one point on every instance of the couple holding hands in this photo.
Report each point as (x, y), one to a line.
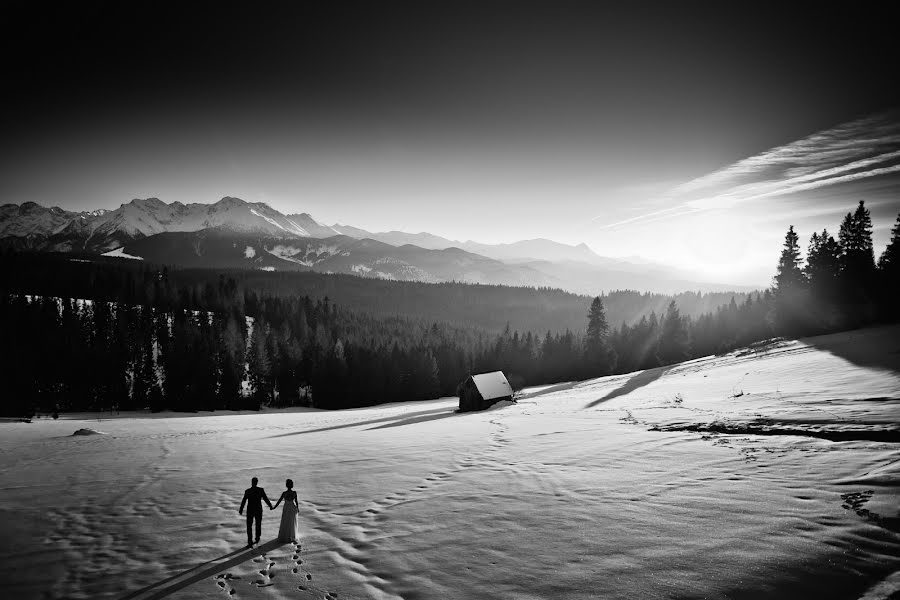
(254, 496)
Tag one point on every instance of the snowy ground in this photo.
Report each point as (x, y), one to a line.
(769, 473)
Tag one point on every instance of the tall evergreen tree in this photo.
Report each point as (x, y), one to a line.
(674, 339)
(259, 366)
(231, 363)
(856, 242)
(889, 275)
(601, 357)
(428, 382)
(858, 271)
(823, 266)
(790, 287)
(789, 275)
(823, 262)
(206, 365)
(889, 261)
(647, 340)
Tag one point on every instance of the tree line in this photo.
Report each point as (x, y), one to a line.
(64, 354)
(840, 287)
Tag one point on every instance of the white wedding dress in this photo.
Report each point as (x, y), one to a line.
(289, 530)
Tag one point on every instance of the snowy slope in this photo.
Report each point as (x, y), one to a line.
(598, 489)
(312, 227)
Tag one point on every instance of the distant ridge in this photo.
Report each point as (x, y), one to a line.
(220, 234)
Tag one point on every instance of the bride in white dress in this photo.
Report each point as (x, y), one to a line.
(289, 531)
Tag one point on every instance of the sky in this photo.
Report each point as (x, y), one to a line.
(690, 134)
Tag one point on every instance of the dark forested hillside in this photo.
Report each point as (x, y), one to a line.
(487, 307)
(130, 335)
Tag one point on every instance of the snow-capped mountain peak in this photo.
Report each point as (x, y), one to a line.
(31, 220)
(313, 228)
(105, 230)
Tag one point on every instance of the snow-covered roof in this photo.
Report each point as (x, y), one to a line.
(492, 385)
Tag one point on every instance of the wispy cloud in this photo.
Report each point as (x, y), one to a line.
(854, 151)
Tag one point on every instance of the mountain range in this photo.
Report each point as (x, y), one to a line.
(233, 233)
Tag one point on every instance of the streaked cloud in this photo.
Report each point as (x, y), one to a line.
(852, 152)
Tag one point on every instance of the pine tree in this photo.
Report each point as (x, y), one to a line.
(823, 262)
(206, 369)
(789, 274)
(858, 276)
(100, 350)
(47, 375)
(143, 355)
(649, 338)
(823, 266)
(231, 359)
(889, 275)
(599, 354)
(429, 382)
(290, 355)
(889, 261)
(260, 367)
(674, 340)
(790, 287)
(856, 242)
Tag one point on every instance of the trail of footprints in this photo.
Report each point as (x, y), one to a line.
(266, 571)
(486, 459)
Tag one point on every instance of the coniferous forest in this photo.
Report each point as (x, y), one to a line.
(99, 335)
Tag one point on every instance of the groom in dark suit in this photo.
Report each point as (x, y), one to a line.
(253, 498)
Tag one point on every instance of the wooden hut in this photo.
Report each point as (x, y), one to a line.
(478, 392)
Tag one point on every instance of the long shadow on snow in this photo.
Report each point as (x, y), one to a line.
(549, 390)
(877, 347)
(413, 420)
(157, 590)
(403, 417)
(640, 380)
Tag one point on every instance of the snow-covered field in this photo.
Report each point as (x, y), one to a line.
(771, 473)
